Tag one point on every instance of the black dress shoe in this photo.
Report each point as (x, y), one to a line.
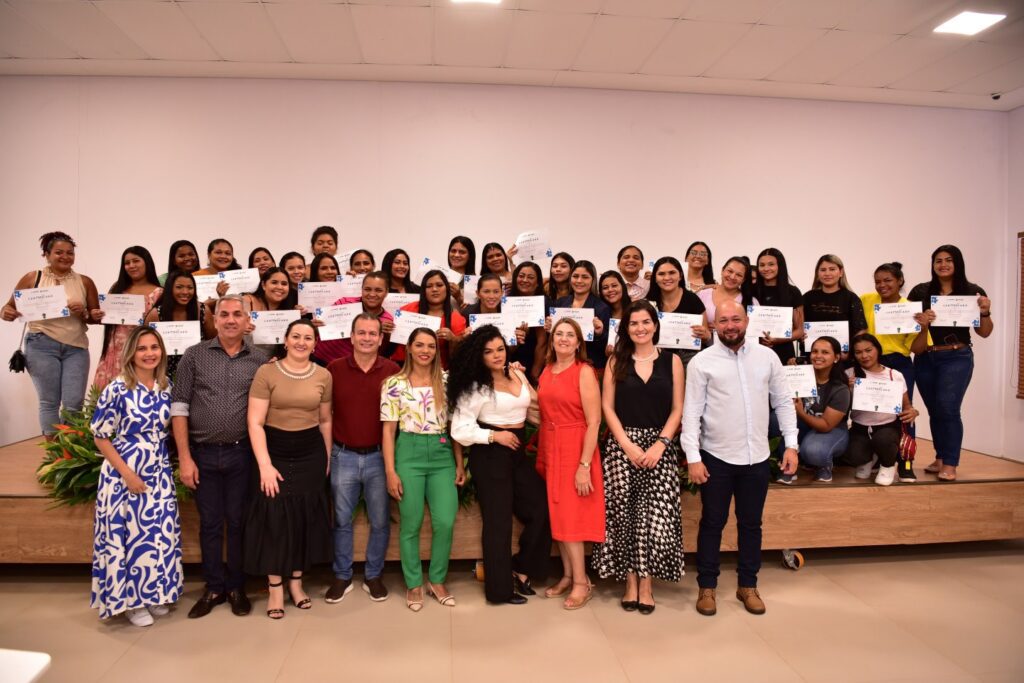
(630, 605)
(240, 605)
(522, 587)
(516, 599)
(205, 604)
(644, 608)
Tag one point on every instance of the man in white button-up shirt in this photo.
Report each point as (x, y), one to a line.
(725, 438)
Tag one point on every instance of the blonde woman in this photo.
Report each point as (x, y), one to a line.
(136, 566)
(422, 464)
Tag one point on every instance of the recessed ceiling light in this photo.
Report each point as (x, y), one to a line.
(969, 23)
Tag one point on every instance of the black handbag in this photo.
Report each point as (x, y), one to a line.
(18, 362)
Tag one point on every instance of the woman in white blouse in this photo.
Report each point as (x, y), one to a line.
(491, 405)
(422, 465)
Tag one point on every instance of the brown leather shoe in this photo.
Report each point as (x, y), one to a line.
(706, 604)
(751, 599)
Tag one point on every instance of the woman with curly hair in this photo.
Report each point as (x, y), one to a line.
(491, 405)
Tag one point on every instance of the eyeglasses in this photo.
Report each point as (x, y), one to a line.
(698, 254)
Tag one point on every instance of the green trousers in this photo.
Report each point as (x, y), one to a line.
(426, 465)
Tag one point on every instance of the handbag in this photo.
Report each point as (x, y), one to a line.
(18, 362)
(908, 445)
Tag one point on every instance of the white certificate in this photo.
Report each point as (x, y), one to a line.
(337, 320)
(773, 321)
(677, 330)
(206, 287)
(532, 246)
(897, 318)
(318, 294)
(41, 303)
(613, 331)
(344, 260)
(802, 382)
(877, 395)
(469, 289)
(839, 329)
(956, 311)
(524, 309)
(407, 321)
(351, 285)
(393, 302)
(123, 309)
(583, 316)
(243, 281)
(505, 324)
(271, 325)
(178, 335)
(428, 264)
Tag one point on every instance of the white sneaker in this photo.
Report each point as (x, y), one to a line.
(886, 476)
(139, 617)
(864, 471)
(159, 610)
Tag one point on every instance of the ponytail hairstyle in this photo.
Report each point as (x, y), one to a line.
(747, 286)
(895, 269)
(47, 240)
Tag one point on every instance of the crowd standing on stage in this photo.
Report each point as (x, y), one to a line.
(280, 442)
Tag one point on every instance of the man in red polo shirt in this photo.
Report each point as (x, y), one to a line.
(357, 465)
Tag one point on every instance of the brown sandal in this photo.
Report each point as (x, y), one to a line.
(556, 592)
(571, 604)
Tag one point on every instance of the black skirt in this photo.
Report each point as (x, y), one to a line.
(291, 531)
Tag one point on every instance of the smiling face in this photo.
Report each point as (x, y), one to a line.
(733, 274)
(423, 348)
(400, 267)
(943, 265)
(494, 355)
(436, 289)
(829, 275)
(641, 328)
(374, 291)
(495, 259)
(490, 295)
(667, 277)
(276, 288)
(221, 256)
(327, 270)
(697, 257)
(887, 286)
(822, 355)
(866, 355)
(366, 336)
(361, 263)
(767, 269)
(230, 321)
(631, 262)
(296, 269)
(527, 282)
(324, 244)
(148, 354)
(183, 290)
(135, 267)
(61, 256)
(611, 291)
(559, 270)
(565, 341)
(186, 259)
(458, 256)
(262, 261)
(300, 342)
(581, 281)
(731, 323)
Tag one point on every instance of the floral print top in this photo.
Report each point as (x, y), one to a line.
(414, 408)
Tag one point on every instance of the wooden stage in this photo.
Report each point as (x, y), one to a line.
(987, 503)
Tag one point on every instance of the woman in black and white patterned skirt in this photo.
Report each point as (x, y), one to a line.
(643, 404)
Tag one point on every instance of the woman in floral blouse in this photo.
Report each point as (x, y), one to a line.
(425, 464)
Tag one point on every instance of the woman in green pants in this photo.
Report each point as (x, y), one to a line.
(423, 463)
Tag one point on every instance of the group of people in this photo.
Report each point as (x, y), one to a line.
(281, 443)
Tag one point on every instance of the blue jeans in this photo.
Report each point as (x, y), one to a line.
(943, 378)
(221, 499)
(905, 366)
(820, 449)
(60, 374)
(352, 473)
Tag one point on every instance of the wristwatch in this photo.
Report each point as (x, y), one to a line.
(490, 436)
(667, 442)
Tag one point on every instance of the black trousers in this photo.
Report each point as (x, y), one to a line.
(748, 484)
(507, 484)
(883, 441)
(221, 498)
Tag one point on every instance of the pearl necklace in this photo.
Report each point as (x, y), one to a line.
(651, 357)
(301, 375)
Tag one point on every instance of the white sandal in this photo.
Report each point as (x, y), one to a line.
(446, 601)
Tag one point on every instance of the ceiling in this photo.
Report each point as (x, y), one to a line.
(853, 50)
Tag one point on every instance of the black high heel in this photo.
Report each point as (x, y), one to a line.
(522, 587)
(276, 613)
(644, 608)
(305, 603)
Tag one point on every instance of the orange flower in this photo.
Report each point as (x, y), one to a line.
(67, 456)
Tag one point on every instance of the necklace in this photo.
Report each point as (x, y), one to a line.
(306, 374)
(651, 357)
(60, 278)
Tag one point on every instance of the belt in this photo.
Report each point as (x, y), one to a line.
(361, 450)
(948, 347)
(221, 444)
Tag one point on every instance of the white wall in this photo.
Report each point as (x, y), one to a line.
(118, 161)
(1013, 408)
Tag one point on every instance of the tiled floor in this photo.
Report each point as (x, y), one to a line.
(934, 613)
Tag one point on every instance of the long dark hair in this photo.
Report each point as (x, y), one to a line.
(836, 374)
(858, 371)
(172, 264)
(624, 346)
(314, 267)
(424, 305)
(124, 281)
(386, 264)
(470, 257)
(615, 275)
(781, 279)
(467, 370)
(252, 255)
(747, 286)
(961, 285)
(591, 270)
(484, 268)
(235, 265)
(290, 301)
(515, 291)
(373, 261)
(654, 293)
(168, 304)
(708, 273)
(551, 289)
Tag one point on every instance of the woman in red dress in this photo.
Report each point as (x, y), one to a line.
(568, 457)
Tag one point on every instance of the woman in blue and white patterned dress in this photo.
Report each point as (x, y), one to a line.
(136, 566)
